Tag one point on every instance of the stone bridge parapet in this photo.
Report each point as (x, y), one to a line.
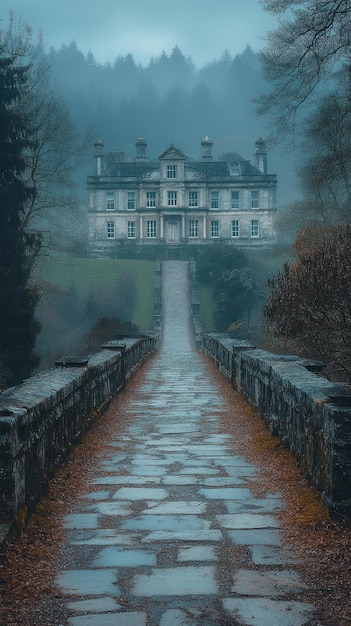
(44, 417)
(303, 409)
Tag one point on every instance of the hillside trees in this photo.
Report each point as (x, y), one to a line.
(38, 147)
(303, 55)
(234, 287)
(308, 63)
(18, 327)
(309, 306)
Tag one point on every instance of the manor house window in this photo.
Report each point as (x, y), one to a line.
(193, 229)
(214, 228)
(110, 201)
(235, 200)
(131, 230)
(151, 229)
(131, 200)
(192, 198)
(151, 199)
(110, 230)
(255, 228)
(215, 200)
(235, 228)
(172, 198)
(171, 171)
(255, 204)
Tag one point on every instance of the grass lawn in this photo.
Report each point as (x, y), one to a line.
(84, 275)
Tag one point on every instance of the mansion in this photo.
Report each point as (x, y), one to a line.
(180, 202)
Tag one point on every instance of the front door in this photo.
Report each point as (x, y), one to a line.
(172, 231)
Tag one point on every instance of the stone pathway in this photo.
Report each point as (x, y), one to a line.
(170, 534)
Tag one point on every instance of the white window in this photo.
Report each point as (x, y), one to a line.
(255, 204)
(131, 200)
(192, 198)
(255, 228)
(151, 199)
(151, 229)
(193, 229)
(131, 230)
(110, 201)
(110, 230)
(214, 228)
(235, 199)
(172, 198)
(171, 171)
(235, 228)
(215, 200)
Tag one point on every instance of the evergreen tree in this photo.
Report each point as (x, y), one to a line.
(18, 327)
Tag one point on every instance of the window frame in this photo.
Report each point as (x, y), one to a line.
(235, 204)
(131, 229)
(235, 229)
(171, 172)
(110, 201)
(131, 201)
(151, 229)
(214, 229)
(151, 199)
(111, 230)
(255, 229)
(255, 199)
(193, 201)
(193, 229)
(172, 198)
(214, 199)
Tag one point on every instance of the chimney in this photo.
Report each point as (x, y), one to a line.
(207, 144)
(261, 155)
(141, 146)
(99, 156)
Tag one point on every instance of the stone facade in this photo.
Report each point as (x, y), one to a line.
(175, 201)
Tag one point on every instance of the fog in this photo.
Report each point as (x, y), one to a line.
(170, 100)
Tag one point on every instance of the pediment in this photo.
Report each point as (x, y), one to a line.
(172, 153)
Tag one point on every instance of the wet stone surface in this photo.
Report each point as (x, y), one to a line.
(149, 543)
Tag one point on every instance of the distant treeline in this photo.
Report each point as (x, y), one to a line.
(167, 101)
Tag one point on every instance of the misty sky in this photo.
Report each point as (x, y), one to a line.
(202, 29)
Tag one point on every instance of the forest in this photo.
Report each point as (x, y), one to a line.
(168, 101)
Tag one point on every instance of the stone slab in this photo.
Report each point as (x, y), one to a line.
(257, 536)
(190, 535)
(135, 493)
(177, 581)
(247, 520)
(85, 582)
(266, 612)
(120, 557)
(175, 507)
(226, 493)
(96, 605)
(174, 523)
(269, 583)
(130, 618)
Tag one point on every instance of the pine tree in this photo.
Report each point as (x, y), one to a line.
(18, 327)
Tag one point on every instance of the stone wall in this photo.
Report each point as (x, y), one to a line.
(195, 304)
(44, 417)
(310, 415)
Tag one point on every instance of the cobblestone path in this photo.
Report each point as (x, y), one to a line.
(170, 533)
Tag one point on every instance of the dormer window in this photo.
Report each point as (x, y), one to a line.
(171, 171)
